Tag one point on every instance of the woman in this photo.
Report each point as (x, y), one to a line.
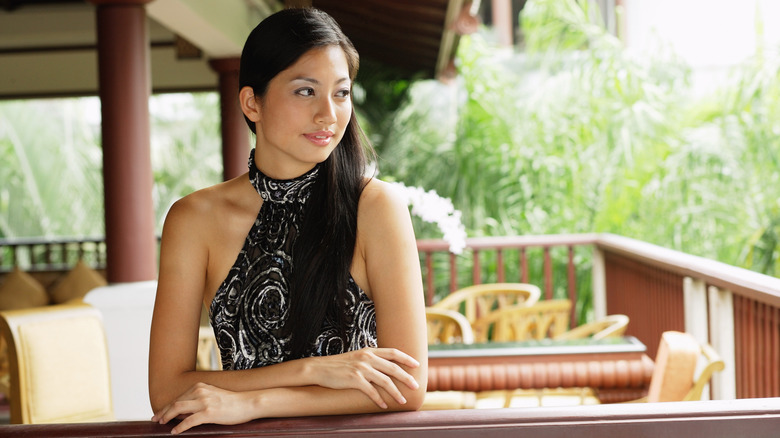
(309, 269)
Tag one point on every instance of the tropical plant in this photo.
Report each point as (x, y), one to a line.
(577, 134)
(52, 161)
(51, 172)
(186, 147)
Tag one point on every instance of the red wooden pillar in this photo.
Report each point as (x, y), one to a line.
(125, 85)
(235, 133)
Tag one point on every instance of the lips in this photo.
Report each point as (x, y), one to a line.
(319, 138)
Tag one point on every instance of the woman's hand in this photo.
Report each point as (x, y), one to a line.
(365, 370)
(205, 403)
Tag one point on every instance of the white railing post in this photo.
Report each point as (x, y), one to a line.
(724, 383)
(695, 309)
(696, 318)
(599, 284)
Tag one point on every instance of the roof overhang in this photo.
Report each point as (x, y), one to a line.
(48, 47)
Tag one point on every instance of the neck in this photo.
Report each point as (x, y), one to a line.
(279, 169)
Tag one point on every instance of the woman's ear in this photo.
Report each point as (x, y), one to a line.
(250, 105)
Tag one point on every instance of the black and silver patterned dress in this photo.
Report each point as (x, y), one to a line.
(252, 304)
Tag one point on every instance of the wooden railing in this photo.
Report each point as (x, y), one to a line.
(755, 418)
(557, 276)
(735, 310)
(43, 254)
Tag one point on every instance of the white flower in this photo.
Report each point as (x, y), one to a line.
(432, 208)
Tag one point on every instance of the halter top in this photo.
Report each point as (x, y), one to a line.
(252, 304)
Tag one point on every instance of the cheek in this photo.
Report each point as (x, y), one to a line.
(286, 118)
(345, 113)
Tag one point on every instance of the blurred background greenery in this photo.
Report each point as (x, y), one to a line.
(572, 134)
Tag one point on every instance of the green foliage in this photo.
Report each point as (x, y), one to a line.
(186, 147)
(555, 26)
(750, 121)
(578, 135)
(574, 135)
(52, 161)
(51, 172)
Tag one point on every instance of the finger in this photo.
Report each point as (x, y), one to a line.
(188, 423)
(370, 390)
(180, 408)
(159, 415)
(397, 356)
(394, 370)
(383, 381)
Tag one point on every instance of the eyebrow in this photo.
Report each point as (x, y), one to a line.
(316, 82)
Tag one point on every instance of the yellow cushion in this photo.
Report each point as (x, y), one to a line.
(67, 381)
(80, 280)
(20, 291)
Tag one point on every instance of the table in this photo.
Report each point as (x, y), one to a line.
(617, 368)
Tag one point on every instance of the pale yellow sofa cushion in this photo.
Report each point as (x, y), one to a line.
(66, 381)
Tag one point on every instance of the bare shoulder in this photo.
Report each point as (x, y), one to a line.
(209, 207)
(383, 215)
(381, 201)
(190, 212)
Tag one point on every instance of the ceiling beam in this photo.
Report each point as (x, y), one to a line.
(217, 28)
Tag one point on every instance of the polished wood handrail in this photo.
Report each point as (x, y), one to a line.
(756, 418)
(753, 285)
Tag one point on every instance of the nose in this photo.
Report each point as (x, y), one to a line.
(326, 112)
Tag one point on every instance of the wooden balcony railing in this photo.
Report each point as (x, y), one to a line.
(42, 254)
(755, 418)
(487, 259)
(735, 310)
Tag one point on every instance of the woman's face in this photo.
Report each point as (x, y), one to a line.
(304, 113)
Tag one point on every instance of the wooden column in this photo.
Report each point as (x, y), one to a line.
(125, 84)
(235, 133)
(502, 21)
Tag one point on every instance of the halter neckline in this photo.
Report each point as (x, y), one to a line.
(281, 190)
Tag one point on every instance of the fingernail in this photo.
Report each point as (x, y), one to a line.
(403, 401)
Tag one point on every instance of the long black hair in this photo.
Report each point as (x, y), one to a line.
(322, 254)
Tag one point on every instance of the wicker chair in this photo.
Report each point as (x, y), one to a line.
(609, 326)
(545, 319)
(447, 327)
(675, 376)
(479, 300)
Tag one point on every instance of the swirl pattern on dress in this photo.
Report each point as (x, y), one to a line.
(252, 304)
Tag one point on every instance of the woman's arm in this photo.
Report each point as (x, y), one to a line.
(387, 267)
(392, 268)
(184, 262)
